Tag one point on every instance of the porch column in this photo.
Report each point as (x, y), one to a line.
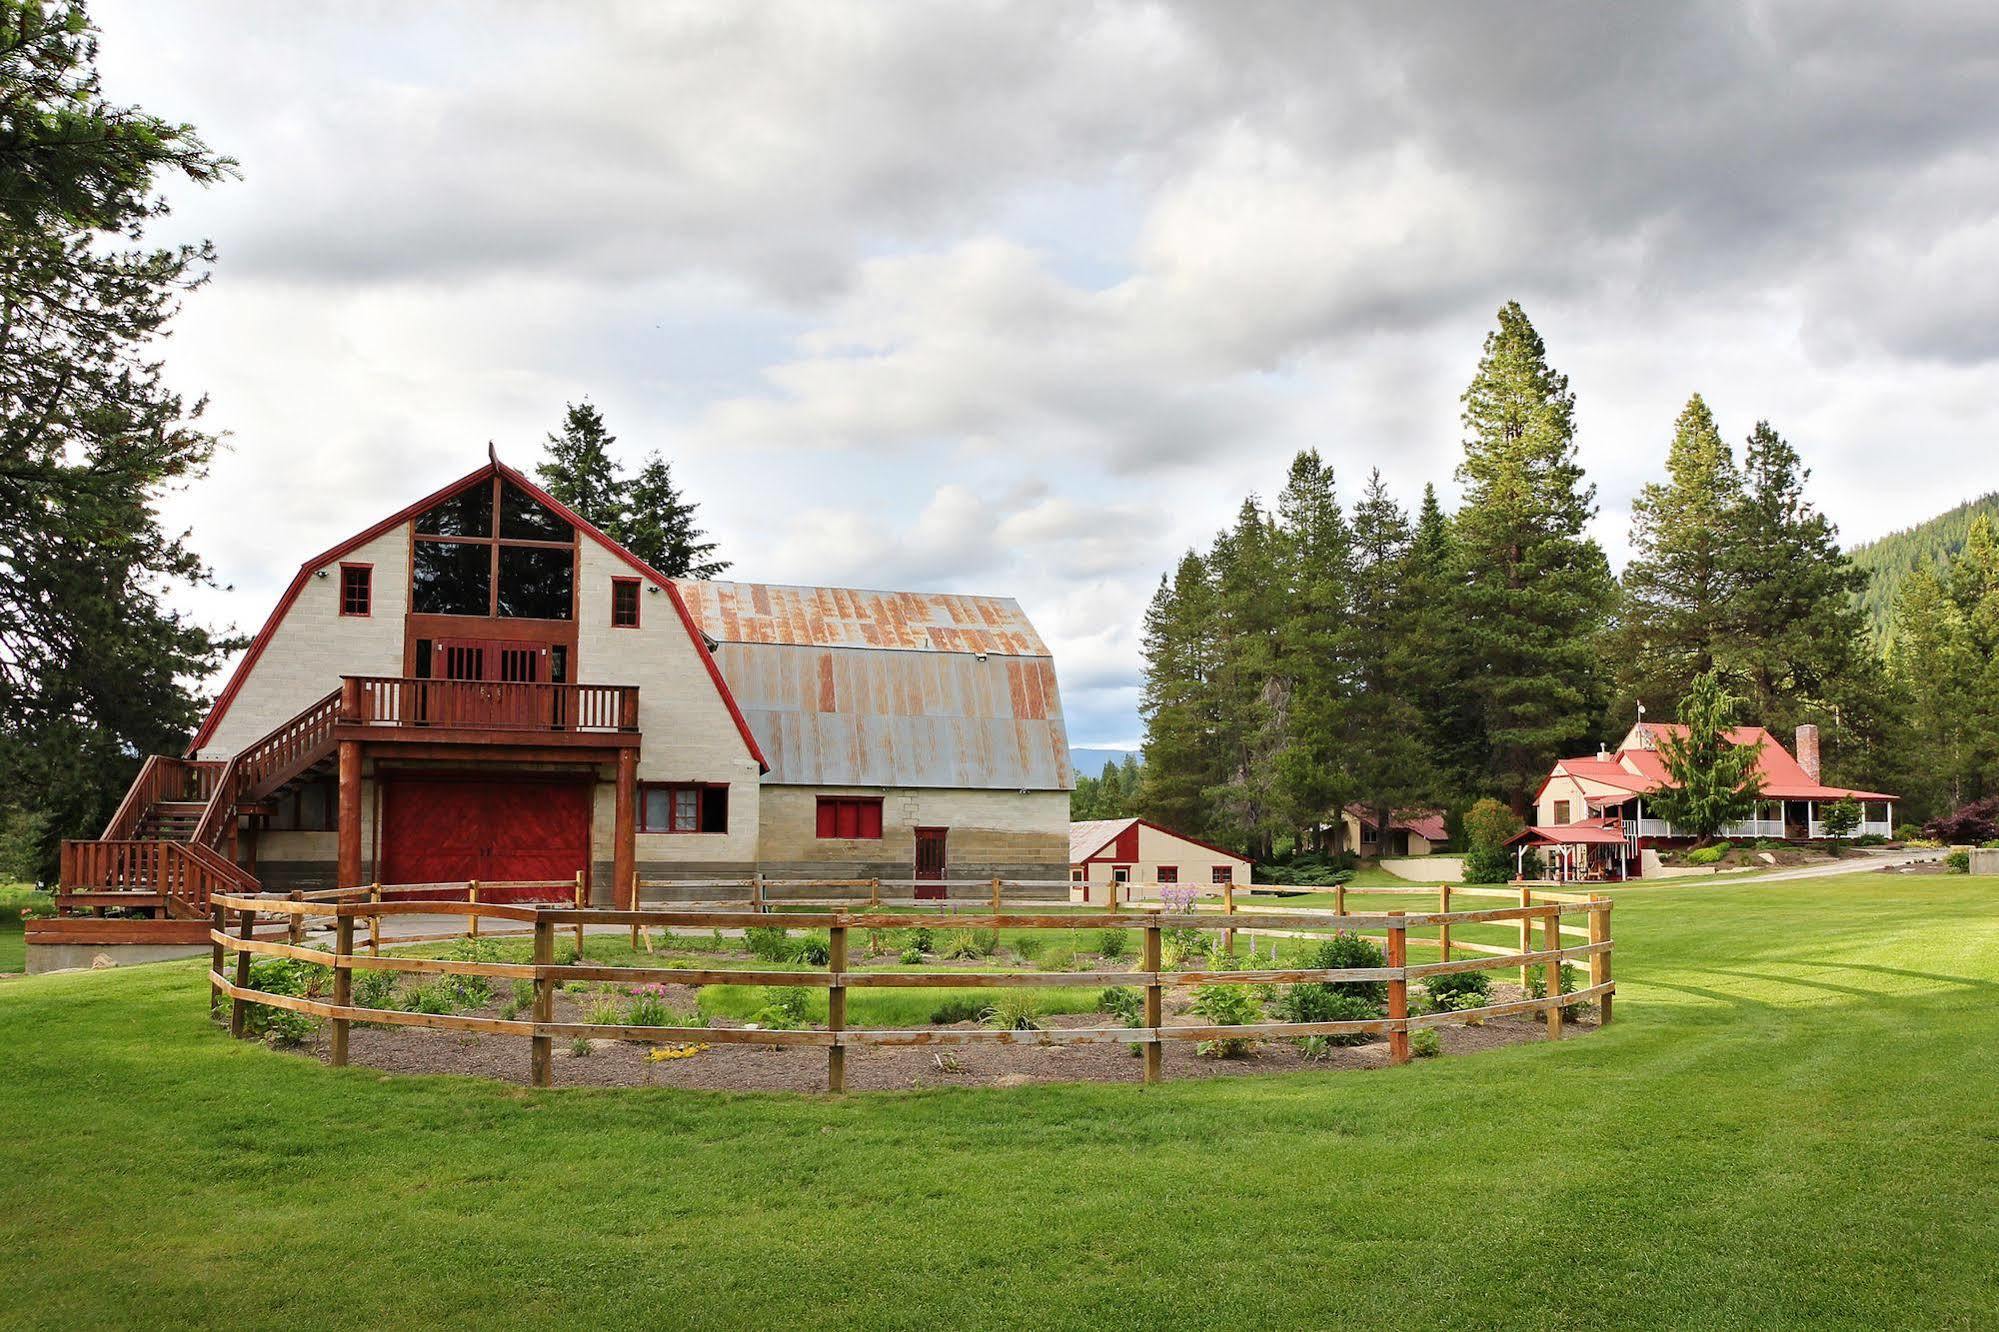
(350, 814)
(624, 850)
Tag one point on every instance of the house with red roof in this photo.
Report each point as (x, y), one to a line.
(1609, 788)
(1411, 832)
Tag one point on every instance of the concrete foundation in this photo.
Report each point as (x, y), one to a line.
(91, 957)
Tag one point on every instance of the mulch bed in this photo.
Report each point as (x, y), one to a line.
(773, 1068)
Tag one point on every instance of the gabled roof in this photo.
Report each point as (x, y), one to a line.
(846, 687)
(1091, 836)
(493, 466)
(1640, 769)
(1589, 833)
(1427, 824)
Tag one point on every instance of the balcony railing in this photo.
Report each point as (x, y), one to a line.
(489, 705)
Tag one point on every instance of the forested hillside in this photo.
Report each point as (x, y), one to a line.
(1889, 561)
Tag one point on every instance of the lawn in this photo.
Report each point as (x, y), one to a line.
(14, 898)
(1791, 1122)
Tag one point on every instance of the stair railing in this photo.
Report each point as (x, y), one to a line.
(266, 763)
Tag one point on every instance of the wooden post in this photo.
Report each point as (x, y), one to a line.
(239, 1008)
(624, 843)
(1552, 940)
(996, 894)
(1444, 931)
(836, 1008)
(374, 921)
(1526, 933)
(1339, 899)
(541, 1056)
(1398, 991)
(472, 917)
(1154, 995)
(343, 987)
(757, 891)
(218, 923)
(1228, 909)
(874, 892)
(349, 871)
(295, 923)
(579, 907)
(1599, 963)
(633, 897)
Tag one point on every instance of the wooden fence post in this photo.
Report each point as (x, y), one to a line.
(579, 907)
(836, 1008)
(1339, 899)
(343, 986)
(218, 924)
(996, 894)
(239, 1008)
(1526, 933)
(1599, 963)
(472, 899)
(1552, 940)
(757, 891)
(1154, 996)
(374, 921)
(295, 929)
(1444, 931)
(1228, 909)
(541, 1056)
(874, 892)
(1398, 991)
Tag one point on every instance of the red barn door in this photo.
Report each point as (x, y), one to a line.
(450, 831)
(930, 862)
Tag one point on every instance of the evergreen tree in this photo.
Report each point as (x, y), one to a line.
(1438, 678)
(1384, 746)
(1797, 638)
(1128, 780)
(1316, 552)
(1182, 742)
(1716, 782)
(94, 668)
(1936, 673)
(659, 527)
(581, 472)
(1679, 585)
(1251, 701)
(1533, 591)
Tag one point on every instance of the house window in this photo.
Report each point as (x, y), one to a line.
(1120, 874)
(357, 584)
(1875, 811)
(1222, 874)
(1168, 874)
(624, 603)
(1076, 876)
(1561, 811)
(463, 563)
(683, 808)
(850, 817)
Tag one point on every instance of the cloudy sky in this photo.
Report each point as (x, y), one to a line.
(1024, 299)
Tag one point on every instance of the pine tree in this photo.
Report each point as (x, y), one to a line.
(1438, 678)
(94, 668)
(1533, 591)
(1936, 671)
(1796, 634)
(659, 527)
(1679, 585)
(1384, 746)
(581, 472)
(1715, 782)
(1182, 744)
(1316, 554)
(1127, 783)
(1251, 701)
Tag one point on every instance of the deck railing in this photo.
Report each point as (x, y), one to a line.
(161, 780)
(1536, 914)
(154, 876)
(489, 705)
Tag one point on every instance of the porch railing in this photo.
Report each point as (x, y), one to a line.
(156, 876)
(489, 705)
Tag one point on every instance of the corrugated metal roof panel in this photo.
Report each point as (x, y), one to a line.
(853, 617)
(846, 716)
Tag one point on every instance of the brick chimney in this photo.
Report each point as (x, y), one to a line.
(1808, 750)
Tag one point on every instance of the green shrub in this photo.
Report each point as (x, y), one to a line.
(957, 1008)
(968, 944)
(523, 993)
(375, 989)
(1870, 839)
(1957, 862)
(1307, 1002)
(1112, 944)
(1537, 988)
(509, 1011)
(1015, 1010)
(580, 1047)
(1425, 1043)
(920, 940)
(1446, 990)
(1334, 1007)
(1489, 825)
(912, 956)
(647, 1010)
(1123, 1003)
(1227, 1006)
(785, 1008)
(1709, 855)
(1992, 845)
(768, 943)
(605, 1012)
(812, 951)
(1908, 832)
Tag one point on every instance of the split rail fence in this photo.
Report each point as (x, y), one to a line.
(1539, 917)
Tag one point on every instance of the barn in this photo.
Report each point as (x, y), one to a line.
(1132, 859)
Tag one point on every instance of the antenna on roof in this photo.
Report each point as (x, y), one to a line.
(493, 456)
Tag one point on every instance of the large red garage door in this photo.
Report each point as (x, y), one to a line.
(492, 831)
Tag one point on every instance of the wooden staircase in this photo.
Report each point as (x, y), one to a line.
(172, 841)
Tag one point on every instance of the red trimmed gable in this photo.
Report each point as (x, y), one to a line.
(408, 513)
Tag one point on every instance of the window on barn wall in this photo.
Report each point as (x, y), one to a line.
(462, 565)
(1222, 874)
(850, 817)
(666, 807)
(357, 582)
(1076, 876)
(1120, 874)
(1561, 811)
(624, 603)
(1168, 874)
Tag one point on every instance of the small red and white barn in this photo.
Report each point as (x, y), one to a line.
(1135, 858)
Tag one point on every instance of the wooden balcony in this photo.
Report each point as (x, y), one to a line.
(402, 710)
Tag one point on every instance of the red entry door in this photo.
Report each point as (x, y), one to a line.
(930, 862)
(492, 831)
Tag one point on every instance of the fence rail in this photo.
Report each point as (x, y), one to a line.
(346, 909)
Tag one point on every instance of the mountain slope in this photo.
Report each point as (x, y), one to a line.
(1893, 557)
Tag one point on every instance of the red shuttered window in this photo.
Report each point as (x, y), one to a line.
(1168, 874)
(1222, 874)
(850, 816)
(357, 589)
(665, 808)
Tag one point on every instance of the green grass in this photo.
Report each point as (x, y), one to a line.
(14, 898)
(1792, 1122)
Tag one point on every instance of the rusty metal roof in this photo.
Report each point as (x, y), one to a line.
(853, 688)
(851, 617)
